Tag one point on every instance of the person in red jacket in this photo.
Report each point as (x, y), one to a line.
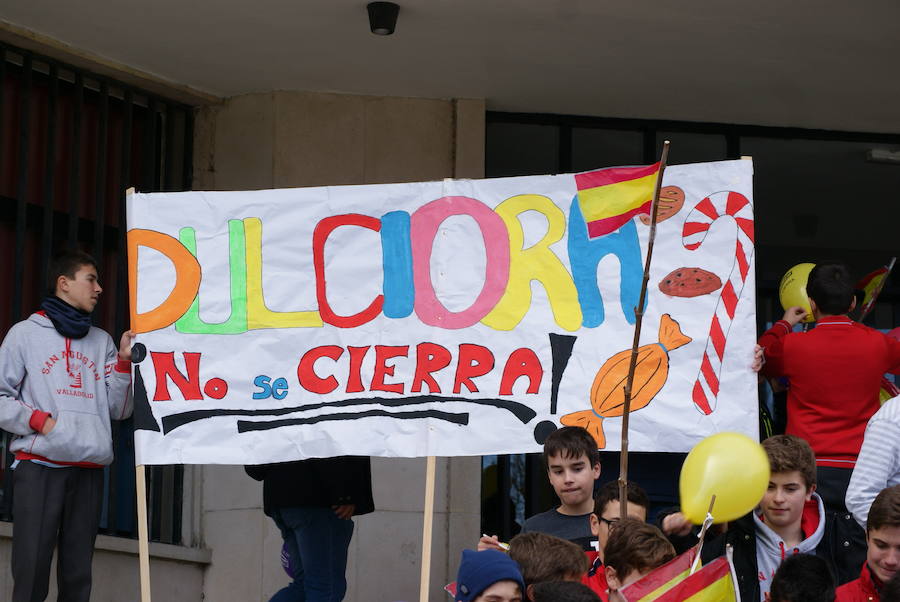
(883, 556)
(834, 372)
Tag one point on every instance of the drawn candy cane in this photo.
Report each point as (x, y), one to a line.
(696, 227)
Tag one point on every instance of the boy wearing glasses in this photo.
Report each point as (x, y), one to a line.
(606, 515)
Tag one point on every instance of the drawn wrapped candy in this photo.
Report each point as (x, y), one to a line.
(671, 200)
(650, 374)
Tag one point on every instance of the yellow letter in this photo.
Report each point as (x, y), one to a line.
(535, 263)
(258, 315)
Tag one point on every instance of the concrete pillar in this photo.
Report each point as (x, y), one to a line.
(288, 139)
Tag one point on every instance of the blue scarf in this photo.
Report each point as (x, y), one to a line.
(68, 321)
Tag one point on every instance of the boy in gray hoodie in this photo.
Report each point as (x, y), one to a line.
(61, 383)
(790, 519)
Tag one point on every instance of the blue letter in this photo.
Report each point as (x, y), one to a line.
(585, 254)
(280, 388)
(396, 255)
(262, 381)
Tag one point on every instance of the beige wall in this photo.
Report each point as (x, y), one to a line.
(176, 574)
(287, 139)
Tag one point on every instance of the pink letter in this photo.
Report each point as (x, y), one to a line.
(424, 225)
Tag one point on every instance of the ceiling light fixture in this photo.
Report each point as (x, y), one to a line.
(883, 155)
(383, 17)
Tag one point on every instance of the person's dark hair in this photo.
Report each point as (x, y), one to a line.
(803, 578)
(634, 545)
(891, 590)
(830, 286)
(571, 442)
(885, 510)
(609, 492)
(67, 264)
(787, 453)
(553, 591)
(543, 557)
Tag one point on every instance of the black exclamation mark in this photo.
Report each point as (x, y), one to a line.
(561, 351)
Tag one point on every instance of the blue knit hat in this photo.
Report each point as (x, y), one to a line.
(480, 570)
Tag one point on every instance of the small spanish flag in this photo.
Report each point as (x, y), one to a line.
(673, 582)
(609, 198)
(713, 583)
(871, 284)
(659, 581)
(888, 390)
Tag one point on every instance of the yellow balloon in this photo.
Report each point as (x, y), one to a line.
(731, 466)
(792, 290)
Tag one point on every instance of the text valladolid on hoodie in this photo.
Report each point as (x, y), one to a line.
(79, 382)
(771, 550)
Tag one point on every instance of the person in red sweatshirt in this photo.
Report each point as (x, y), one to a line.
(883, 555)
(834, 373)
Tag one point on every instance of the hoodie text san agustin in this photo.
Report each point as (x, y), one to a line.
(81, 383)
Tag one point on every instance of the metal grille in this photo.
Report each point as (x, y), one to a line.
(71, 143)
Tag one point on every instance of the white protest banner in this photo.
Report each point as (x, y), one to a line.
(440, 318)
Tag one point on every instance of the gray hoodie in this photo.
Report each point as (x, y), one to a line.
(79, 382)
(771, 550)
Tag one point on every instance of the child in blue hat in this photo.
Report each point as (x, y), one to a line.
(488, 576)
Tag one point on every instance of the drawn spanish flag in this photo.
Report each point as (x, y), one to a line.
(608, 198)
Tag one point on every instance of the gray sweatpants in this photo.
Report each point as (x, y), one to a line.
(54, 507)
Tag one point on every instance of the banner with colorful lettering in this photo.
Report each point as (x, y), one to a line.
(461, 317)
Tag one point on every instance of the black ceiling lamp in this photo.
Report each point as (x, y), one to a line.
(383, 17)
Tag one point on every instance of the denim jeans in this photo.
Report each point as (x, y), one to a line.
(317, 541)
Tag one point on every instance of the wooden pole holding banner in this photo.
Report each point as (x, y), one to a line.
(427, 528)
(639, 315)
(143, 536)
(140, 483)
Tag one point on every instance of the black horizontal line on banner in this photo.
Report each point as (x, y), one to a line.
(519, 410)
(244, 426)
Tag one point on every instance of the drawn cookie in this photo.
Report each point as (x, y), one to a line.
(689, 282)
(671, 200)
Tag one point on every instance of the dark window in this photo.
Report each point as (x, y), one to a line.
(71, 143)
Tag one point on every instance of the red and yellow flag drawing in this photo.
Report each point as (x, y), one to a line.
(608, 198)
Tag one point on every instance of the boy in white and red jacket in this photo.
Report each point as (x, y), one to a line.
(790, 519)
(62, 381)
